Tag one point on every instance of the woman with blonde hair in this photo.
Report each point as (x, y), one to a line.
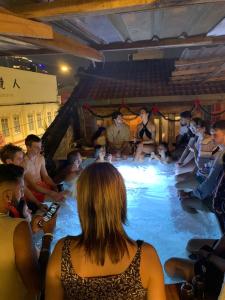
(103, 262)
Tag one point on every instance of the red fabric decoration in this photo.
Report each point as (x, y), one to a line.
(197, 105)
(155, 109)
(86, 106)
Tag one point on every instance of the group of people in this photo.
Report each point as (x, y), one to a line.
(200, 183)
(116, 139)
(103, 262)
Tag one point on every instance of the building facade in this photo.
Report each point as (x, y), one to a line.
(28, 104)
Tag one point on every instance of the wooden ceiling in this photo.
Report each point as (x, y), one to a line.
(92, 28)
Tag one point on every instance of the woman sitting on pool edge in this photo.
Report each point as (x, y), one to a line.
(103, 262)
(145, 135)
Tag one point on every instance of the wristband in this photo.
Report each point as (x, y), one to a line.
(48, 234)
(45, 250)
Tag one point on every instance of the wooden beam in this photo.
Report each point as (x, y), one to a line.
(216, 73)
(15, 26)
(205, 99)
(221, 78)
(194, 41)
(198, 61)
(194, 71)
(186, 78)
(25, 52)
(66, 45)
(96, 7)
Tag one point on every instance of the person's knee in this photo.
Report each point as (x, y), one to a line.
(191, 245)
(139, 148)
(178, 186)
(170, 266)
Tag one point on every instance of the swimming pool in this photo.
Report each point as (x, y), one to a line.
(154, 211)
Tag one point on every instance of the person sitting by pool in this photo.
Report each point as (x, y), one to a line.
(118, 137)
(12, 154)
(209, 264)
(202, 195)
(71, 168)
(103, 262)
(203, 157)
(36, 176)
(184, 135)
(145, 135)
(102, 156)
(186, 162)
(163, 155)
(19, 271)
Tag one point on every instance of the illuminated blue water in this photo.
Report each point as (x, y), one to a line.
(154, 211)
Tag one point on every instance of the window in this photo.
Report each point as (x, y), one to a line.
(5, 126)
(16, 123)
(49, 115)
(30, 122)
(39, 120)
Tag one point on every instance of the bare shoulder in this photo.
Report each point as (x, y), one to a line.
(41, 158)
(59, 246)
(22, 227)
(148, 252)
(150, 257)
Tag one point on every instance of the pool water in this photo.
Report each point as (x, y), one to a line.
(154, 211)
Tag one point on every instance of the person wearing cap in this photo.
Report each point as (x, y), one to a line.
(118, 137)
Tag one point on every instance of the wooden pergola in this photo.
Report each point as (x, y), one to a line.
(189, 31)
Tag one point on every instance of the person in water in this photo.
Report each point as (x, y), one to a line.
(145, 135)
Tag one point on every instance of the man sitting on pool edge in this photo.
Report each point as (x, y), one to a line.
(118, 137)
(36, 176)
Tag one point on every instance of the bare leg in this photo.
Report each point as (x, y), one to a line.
(139, 151)
(179, 267)
(143, 149)
(189, 184)
(192, 205)
(183, 177)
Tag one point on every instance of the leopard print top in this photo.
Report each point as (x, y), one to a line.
(124, 286)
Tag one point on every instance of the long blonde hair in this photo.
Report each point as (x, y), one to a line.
(102, 208)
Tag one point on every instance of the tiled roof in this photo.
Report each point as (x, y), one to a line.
(130, 79)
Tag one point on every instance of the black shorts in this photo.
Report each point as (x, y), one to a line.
(213, 276)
